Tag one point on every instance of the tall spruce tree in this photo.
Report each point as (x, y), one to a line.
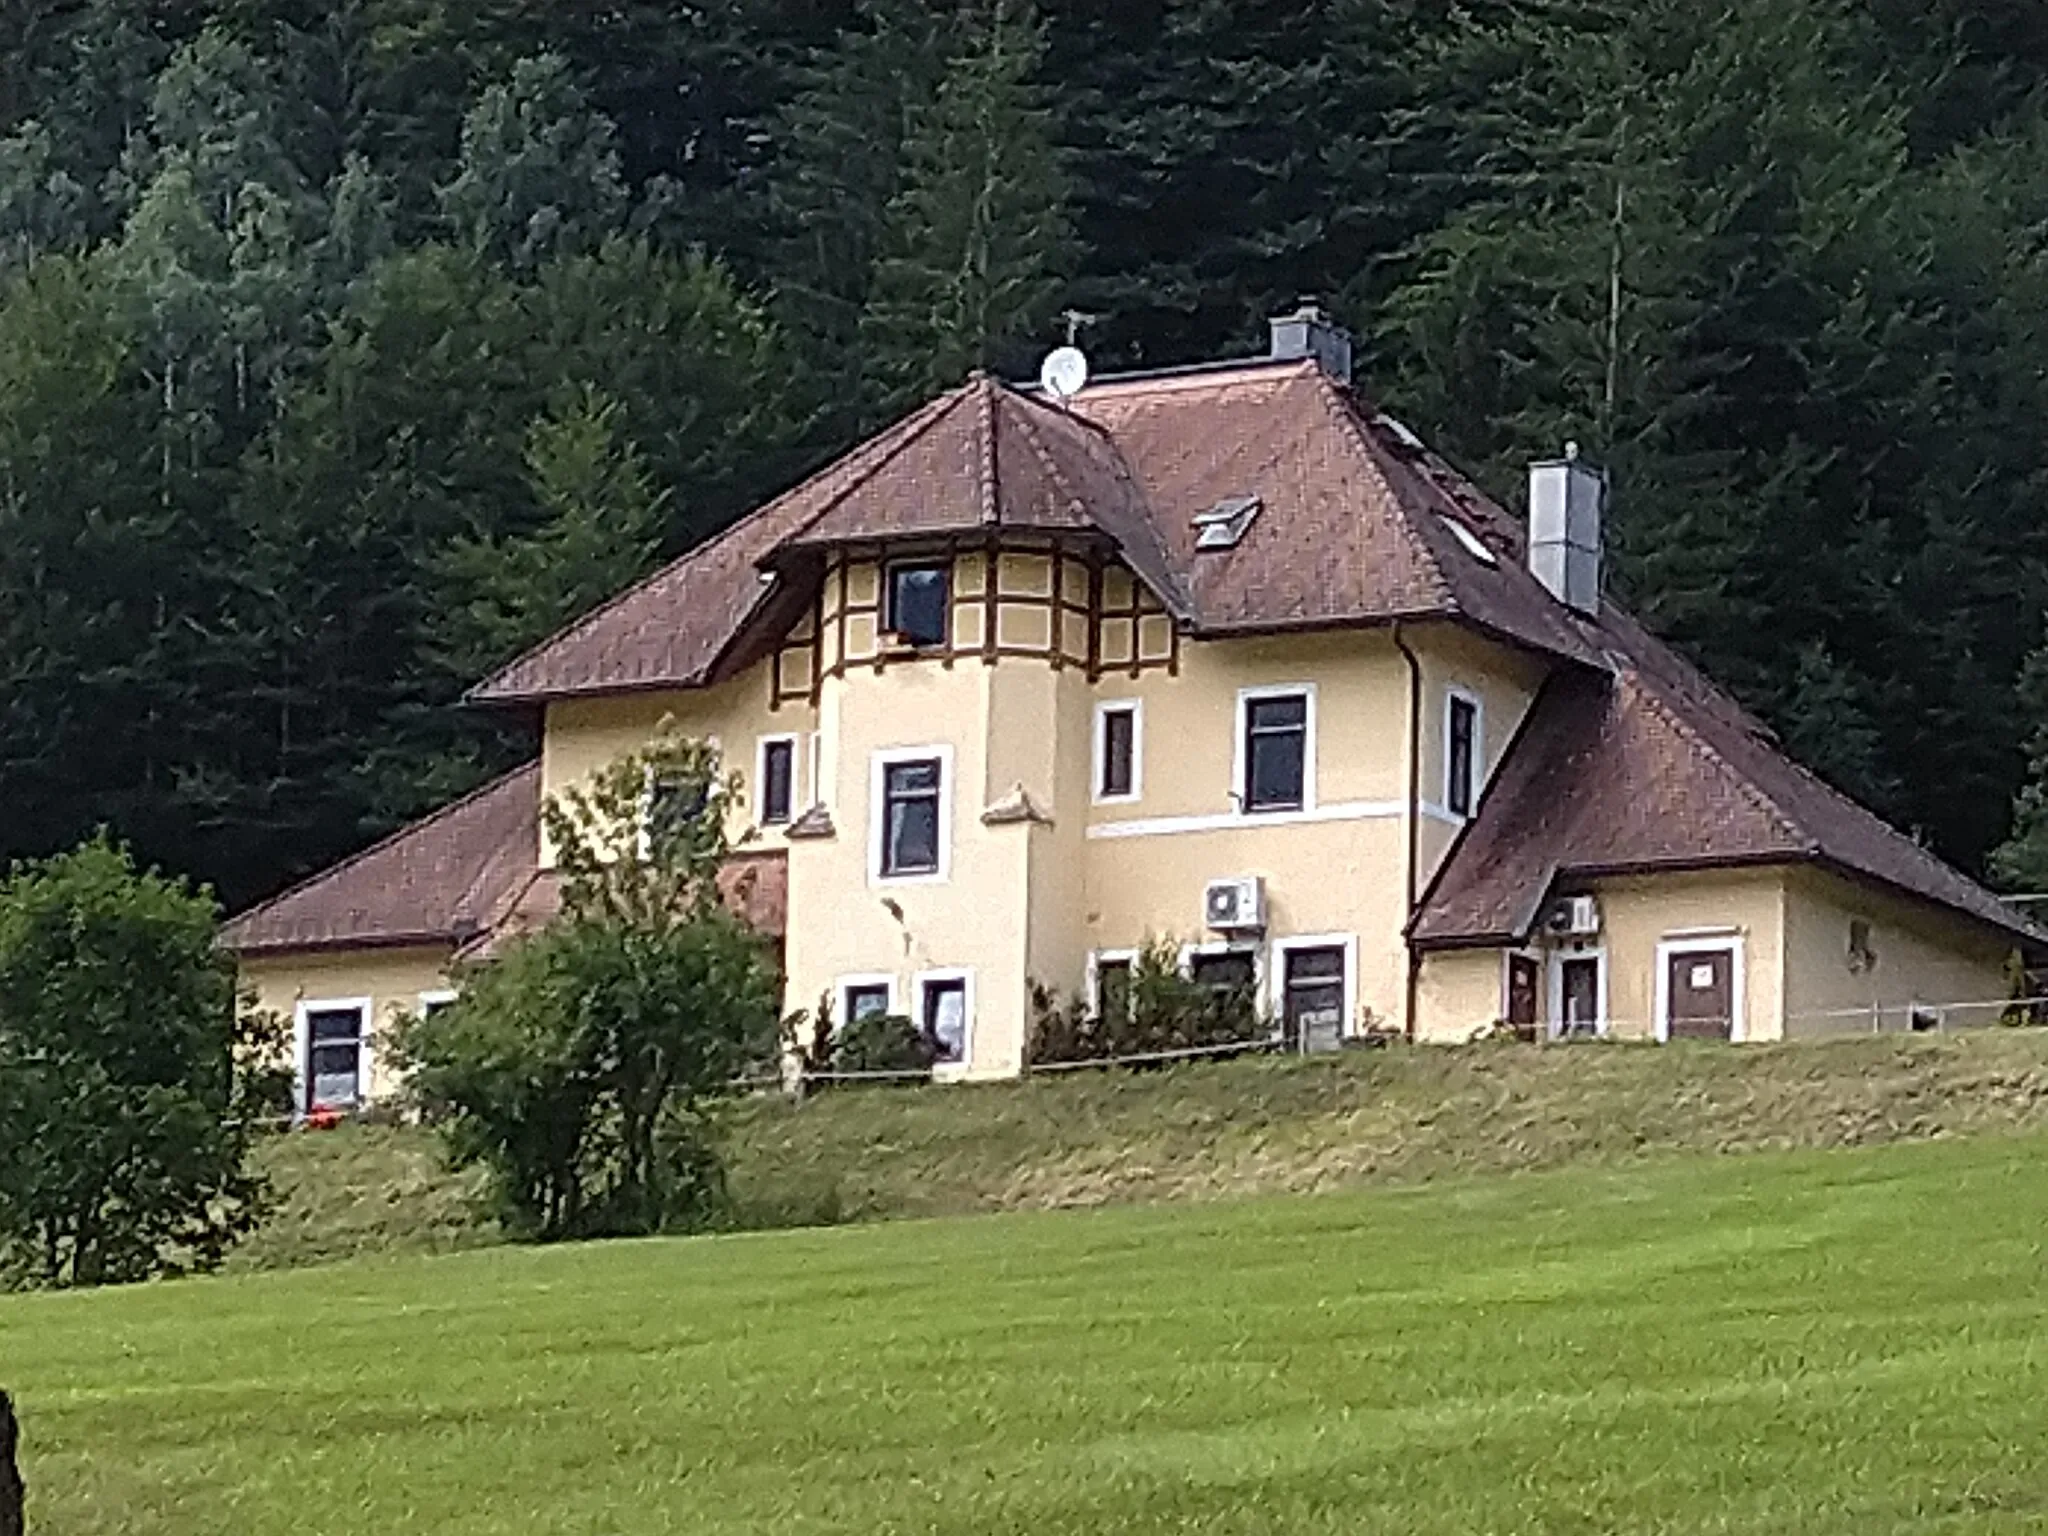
(978, 234)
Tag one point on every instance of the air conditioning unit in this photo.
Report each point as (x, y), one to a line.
(1235, 906)
(1573, 917)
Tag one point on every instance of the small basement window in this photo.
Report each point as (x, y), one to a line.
(945, 1017)
(919, 603)
(866, 1000)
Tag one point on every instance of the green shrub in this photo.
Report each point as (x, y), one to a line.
(1163, 1010)
(131, 1084)
(583, 1068)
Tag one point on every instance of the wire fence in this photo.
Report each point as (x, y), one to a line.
(1877, 1018)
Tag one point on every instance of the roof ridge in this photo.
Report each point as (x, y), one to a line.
(1047, 462)
(1339, 407)
(1653, 697)
(383, 844)
(990, 489)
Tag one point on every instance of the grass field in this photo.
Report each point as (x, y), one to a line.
(1853, 1341)
(1261, 1126)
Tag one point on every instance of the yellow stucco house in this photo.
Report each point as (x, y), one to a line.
(1222, 655)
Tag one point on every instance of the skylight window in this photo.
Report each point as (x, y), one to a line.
(1474, 546)
(1226, 523)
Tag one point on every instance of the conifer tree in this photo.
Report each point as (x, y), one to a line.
(978, 235)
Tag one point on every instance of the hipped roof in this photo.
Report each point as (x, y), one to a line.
(1630, 761)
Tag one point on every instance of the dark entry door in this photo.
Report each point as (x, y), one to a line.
(1522, 981)
(1314, 998)
(1703, 994)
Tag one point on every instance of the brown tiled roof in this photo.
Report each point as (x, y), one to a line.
(469, 877)
(755, 884)
(1354, 528)
(1630, 760)
(435, 882)
(1649, 767)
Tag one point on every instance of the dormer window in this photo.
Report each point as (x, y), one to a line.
(918, 604)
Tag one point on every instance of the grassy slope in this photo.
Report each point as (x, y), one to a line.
(1840, 1342)
(1400, 1116)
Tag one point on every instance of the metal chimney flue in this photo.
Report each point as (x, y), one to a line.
(1309, 333)
(1567, 502)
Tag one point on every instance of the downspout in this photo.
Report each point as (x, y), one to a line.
(1414, 825)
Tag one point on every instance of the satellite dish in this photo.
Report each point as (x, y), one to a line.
(1065, 373)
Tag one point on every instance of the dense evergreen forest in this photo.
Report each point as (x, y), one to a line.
(348, 346)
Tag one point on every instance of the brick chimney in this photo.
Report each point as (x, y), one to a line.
(1309, 333)
(1567, 499)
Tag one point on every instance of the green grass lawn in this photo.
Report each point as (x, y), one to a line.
(1849, 1341)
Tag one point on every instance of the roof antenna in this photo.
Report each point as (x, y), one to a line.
(1078, 321)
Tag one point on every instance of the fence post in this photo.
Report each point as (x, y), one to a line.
(13, 1513)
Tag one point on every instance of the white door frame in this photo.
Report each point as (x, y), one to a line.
(1730, 944)
(1554, 985)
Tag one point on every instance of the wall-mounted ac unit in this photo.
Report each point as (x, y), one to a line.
(1235, 906)
(1573, 917)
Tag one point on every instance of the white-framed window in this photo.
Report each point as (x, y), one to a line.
(1314, 988)
(1464, 751)
(332, 1053)
(1225, 963)
(1275, 768)
(917, 602)
(671, 802)
(910, 815)
(1119, 751)
(864, 996)
(775, 787)
(1700, 986)
(945, 1012)
(1578, 993)
(431, 1003)
(1109, 981)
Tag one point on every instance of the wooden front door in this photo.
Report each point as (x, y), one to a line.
(1702, 991)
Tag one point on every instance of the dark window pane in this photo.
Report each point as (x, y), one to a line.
(1276, 753)
(866, 1002)
(672, 805)
(907, 778)
(1276, 772)
(778, 781)
(920, 603)
(913, 837)
(1278, 713)
(1119, 751)
(945, 1018)
(1464, 725)
(1227, 969)
(1315, 964)
(334, 1056)
(910, 818)
(1113, 989)
(339, 1024)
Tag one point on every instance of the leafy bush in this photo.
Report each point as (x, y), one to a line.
(583, 1068)
(884, 1042)
(1164, 1010)
(131, 1084)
